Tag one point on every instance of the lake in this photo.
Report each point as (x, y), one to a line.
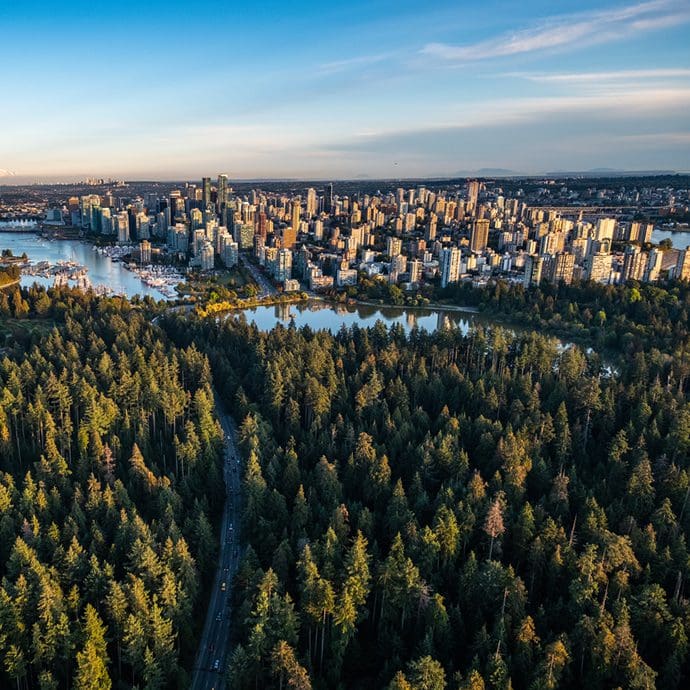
(102, 270)
(327, 315)
(680, 240)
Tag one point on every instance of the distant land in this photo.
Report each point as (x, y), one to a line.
(18, 180)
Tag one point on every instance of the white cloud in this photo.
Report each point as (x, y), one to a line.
(618, 76)
(566, 32)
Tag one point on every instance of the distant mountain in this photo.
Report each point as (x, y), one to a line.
(489, 172)
(608, 172)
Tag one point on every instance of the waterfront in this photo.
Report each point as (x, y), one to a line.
(102, 270)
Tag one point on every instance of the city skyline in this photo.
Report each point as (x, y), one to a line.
(376, 90)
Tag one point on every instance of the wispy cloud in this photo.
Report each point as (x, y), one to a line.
(614, 106)
(353, 62)
(565, 32)
(594, 77)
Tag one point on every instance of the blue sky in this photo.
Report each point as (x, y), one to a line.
(174, 90)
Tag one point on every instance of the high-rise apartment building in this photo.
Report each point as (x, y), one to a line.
(606, 227)
(295, 214)
(654, 263)
(634, 263)
(534, 265)
(598, 267)
(682, 271)
(472, 195)
(480, 235)
(393, 246)
(564, 265)
(289, 237)
(640, 232)
(450, 266)
(283, 265)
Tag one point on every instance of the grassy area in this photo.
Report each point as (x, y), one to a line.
(222, 285)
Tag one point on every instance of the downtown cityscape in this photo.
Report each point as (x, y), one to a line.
(345, 346)
(395, 244)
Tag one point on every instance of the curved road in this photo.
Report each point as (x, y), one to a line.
(211, 659)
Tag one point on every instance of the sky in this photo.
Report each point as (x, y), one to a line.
(364, 88)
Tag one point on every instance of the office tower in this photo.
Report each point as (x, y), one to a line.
(450, 266)
(480, 235)
(534, 265)
(311, 202)
(682, 269)
(206, 192)
(222, 193)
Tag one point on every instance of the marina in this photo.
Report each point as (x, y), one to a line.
(81, 264)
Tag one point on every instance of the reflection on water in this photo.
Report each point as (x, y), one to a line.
(102, 270)
(332, 317)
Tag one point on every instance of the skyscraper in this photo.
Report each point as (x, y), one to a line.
(480, 235)
(328, 198)
(222, 194)
(206, 191)
(472, 195)
(311, 202)
(295, 215)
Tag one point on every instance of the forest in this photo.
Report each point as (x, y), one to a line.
(622, 319)
(109, 486)
(490, 510)
(429, 511)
